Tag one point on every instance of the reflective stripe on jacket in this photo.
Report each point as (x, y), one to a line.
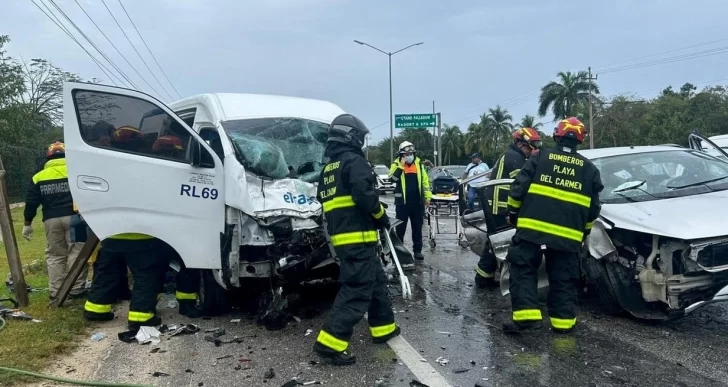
(396, 172)
(507, 167)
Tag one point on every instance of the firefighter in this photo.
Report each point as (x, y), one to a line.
(187, 280)
(412, 194)
(525, 142)
(140, 252)
(50, 190)
(553, 201)
(353, 214)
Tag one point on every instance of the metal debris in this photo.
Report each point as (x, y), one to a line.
(158, 374)
(270, 374)
(442, 361)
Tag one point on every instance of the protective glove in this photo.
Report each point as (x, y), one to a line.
(512, 218)
(383, 222)
(28, 232)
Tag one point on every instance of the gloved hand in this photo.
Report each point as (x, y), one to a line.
(383, 222)
(512, 218)
(28, 232)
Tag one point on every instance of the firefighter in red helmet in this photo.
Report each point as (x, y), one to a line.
(552, 202)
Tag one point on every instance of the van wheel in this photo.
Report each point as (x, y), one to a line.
(212, 297)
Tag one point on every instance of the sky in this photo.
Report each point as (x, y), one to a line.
(476, 54)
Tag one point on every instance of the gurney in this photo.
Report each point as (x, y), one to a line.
(444, 206)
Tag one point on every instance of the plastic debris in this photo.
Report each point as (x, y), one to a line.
(98, 336)
(443, 333)
(171, 304)
(186, 330)
(235, 321)
(270, 374)
(460, 370)
(148, 335)
(442, 361)
(312, 382)
(308, 332)
(298, 319)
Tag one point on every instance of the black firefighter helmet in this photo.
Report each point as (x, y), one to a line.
(348, 129)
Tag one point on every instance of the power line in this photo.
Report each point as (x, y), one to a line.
(137, 51)
(112, 44)
(661, 53)
(77, 28)
(100, 65)
(677, 58)
(148, 49)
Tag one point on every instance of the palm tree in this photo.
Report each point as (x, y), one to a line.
(566, 98)
(528, 121)
(475, 137)
(452, 142)
(497, 126)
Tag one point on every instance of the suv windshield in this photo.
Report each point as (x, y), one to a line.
(268, 146)
(381, 170)
(660, 175)
(456, 170)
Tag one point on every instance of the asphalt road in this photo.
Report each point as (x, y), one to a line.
(448, 319)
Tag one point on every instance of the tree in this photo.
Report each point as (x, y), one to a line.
(498, 127)
(11, 80)
(529, 121)
(567, 98)
(452, 143)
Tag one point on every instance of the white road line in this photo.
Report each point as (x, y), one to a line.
(424, 372)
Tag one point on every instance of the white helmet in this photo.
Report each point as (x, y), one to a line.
(406, 146)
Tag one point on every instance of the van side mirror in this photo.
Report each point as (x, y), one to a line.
(200, 157)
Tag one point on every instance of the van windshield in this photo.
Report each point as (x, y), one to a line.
(268, 146)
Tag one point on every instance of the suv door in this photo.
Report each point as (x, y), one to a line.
(699, 142)
(135, 166)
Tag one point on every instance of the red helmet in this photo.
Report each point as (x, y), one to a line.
(125, 134)
(57, 149)
(528, 135)
(570, 128)
(168, 143)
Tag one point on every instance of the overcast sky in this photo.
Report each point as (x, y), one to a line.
(476, 54)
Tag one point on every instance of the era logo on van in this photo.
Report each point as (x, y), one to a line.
(300, 199)
(192, 191)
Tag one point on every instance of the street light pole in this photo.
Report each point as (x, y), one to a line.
(391, 110)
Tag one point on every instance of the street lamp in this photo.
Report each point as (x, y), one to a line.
(391, 113)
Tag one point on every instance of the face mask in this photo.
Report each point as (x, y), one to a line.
(409, 159)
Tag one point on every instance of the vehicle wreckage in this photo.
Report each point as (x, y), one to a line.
(659, 249)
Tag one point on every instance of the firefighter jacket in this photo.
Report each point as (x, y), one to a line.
(347, 193)
(398, 173)
(49, 189)
(556, 197)
(507, 167)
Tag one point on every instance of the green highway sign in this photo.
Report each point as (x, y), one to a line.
(415, 121)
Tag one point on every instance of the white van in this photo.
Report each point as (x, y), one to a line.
(226, 200)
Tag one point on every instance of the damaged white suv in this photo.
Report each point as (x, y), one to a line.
(234, 193)
(660, 246)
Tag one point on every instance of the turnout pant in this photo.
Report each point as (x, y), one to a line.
(488, 263)
(363, 290)
(562, 268)
(61, 253)
(142, 258)
(187, 281)
(414, 212)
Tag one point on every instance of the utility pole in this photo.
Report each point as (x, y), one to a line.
(591, 110)
(434, 137)
(11, 244)
(439, 140)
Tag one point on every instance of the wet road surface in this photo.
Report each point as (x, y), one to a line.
(447, 319)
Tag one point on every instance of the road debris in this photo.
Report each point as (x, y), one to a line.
(415, 383)
(460, 370)
(98, 336)
(157, 350)
(148, 335)
(291, 383)
(312, 382)
(442, 361)
(444, 333)
(172, 304)
(157, 374)
(235, 321)
(308, 332)
(224, 357)
(186, 330)
(270, 374)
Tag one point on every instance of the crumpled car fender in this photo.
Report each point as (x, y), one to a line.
(598, 241)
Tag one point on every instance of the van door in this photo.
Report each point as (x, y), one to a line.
(699, 142)
(135, 166)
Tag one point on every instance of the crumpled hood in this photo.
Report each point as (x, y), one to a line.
(688, 217)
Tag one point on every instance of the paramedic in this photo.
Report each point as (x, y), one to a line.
(353, 215)
(50, 190)
(140, 252)
(411, 194)
(476, 167)
(553, 202)
(525, 142)
(187, 280)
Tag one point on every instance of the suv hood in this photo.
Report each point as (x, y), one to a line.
(688, 217)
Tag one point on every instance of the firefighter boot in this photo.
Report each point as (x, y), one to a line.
(384, 339)
(513, 327)
(485, 283)
(188, 308)
(154, 321)
(336, 358)
(97, 317)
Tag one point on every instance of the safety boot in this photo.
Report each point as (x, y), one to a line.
(188, 308)
(154, 321)
(97, 317)
(485, 283)
(419, 256)
(513, 327)
(384, 339)
(336, 358)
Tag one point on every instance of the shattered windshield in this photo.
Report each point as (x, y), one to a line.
(268, 146)
(649, 176)
(381, 170)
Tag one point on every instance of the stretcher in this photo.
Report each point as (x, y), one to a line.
(444, 206)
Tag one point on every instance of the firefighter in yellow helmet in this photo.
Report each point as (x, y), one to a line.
(553, 201)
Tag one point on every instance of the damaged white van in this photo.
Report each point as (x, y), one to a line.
(237, 198)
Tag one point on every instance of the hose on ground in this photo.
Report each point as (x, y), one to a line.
(69, 381)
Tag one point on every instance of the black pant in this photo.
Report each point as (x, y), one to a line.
(142, 257)
(363, 290)
(488, 263)
(562, 268)
(414, 212)
(187, 281)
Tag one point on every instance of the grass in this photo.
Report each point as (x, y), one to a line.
(28, 345)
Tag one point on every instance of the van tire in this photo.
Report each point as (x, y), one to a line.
(212, 297)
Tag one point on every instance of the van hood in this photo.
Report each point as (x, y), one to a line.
(689, 217)
(284, 197)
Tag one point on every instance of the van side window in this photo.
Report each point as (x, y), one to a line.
(130, 125)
